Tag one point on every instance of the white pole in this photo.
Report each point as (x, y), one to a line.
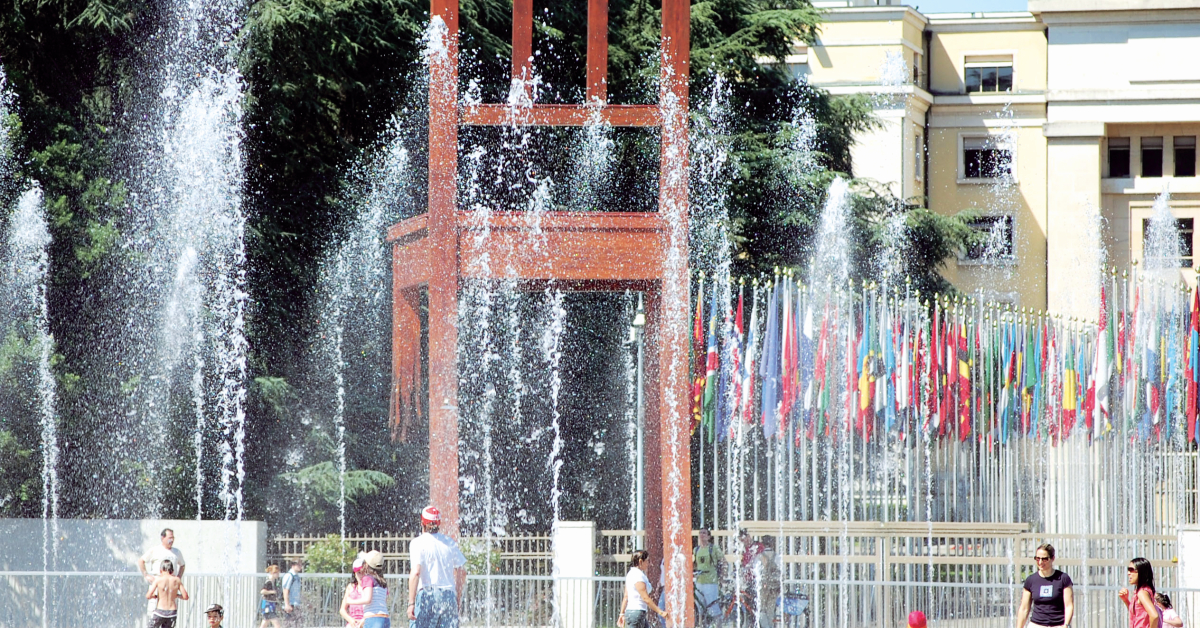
(639, 322)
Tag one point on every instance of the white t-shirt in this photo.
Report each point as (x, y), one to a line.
(636, 603)
(155, 555)
(437, 555)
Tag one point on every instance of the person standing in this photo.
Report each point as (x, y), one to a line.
(768, 582)
(1169, 616)
(709, 564)
(215, 615)
(269, 605)
(291, 594)
(1048, 593)
(637, 601)
(1142, 611)
(374, 592)
(438, 576)
(164, 590)
(750, 551)
(151, 562)
(350, 610)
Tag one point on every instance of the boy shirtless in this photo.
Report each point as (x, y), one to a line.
(167, 588)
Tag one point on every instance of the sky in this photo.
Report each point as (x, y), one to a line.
(947, 6)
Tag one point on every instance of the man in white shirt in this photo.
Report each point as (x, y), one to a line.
(151, 562)
(438, 576)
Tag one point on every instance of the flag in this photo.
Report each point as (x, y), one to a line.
(1009, 356)
(964, 384)
(789, 360)
(1070, 385)
(735, 369)
(820, 366)
(701, 358)
(746, 402)
(1193, 368)
(887, 333)
(769, 367)
(948, 410)
(933, 375)
(712, 364)
(1098, 418)
(807, 367)
(866, 382)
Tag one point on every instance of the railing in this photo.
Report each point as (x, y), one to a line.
(510, 555)
(117, 600)
(897, 551)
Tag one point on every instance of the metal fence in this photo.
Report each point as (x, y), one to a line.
(116, 600)
(526, 555)
(976, 553)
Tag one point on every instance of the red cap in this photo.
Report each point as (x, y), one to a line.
(431, 516)
(916, 619)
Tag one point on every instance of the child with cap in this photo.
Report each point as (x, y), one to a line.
(916, 619)
(215, 615)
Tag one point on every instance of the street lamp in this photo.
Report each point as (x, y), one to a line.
(637, 337)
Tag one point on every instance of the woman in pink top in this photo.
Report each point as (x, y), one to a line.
(1142, 611)
(351, 612)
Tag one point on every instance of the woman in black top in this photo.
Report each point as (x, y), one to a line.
(1047, 592)
(268, 606)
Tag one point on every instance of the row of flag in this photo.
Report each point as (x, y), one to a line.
(866, 364)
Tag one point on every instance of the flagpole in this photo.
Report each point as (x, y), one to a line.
(639, 323)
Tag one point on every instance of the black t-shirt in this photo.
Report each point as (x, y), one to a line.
(270, 588)
(1049, 609)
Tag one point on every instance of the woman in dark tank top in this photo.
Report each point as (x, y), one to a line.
(1048, 600)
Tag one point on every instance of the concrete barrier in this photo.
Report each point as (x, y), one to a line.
(575, 558)
(113, 594)
(1188, 606)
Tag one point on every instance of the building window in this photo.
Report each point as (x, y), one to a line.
(1185, 155)
(1118, 157)
(919, 156)
(989, 76)
(984, 159)
(1152, 156)
(1187, 229)
(916, 69)
(994, 243)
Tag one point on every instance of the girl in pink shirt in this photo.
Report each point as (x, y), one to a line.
(1142, 611)
(353, 613)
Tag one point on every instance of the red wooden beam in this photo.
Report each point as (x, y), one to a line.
(406, 359)
(522, 45)
(597, 51)
(561, 115)
(443, 270)
(672, 338)
(578, 247)
(409, 228)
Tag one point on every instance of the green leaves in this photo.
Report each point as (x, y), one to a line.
(109, 18)
(20, 488)
(330, 555)
(320, 483)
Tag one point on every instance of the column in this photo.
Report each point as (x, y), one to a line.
(1072, 191)
(443, 272)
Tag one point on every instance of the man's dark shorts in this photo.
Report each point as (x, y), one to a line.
(163, 619)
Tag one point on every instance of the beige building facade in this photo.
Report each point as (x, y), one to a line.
(1057, 128)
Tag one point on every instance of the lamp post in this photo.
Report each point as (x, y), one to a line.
(637, 338)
